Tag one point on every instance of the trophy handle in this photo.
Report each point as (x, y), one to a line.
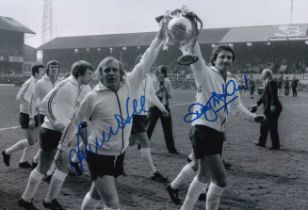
(159, 18)
(194, 19)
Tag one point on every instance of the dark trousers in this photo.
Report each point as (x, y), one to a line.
(294, 92)
(166, 122)
(252, 91)
(270, 125)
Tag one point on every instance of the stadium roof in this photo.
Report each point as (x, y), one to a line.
(9, 24)
(207, 36)
(94, 41)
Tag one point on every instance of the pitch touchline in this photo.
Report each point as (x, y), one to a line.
(9, 128)
(16, 127)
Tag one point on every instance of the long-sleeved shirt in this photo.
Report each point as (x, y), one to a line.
(165, 95)
(42, 87)
(213, 93)
(109, 114)
(61, 102)
(25, 95)
(147, 90)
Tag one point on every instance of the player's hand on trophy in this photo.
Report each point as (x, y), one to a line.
(165, 16)
(163, 23)
(260, 119)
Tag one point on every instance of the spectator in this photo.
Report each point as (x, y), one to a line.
(162, 86)
(272, 110)
(286, 87)
(280, 83)
(294, 85)
(251, 86)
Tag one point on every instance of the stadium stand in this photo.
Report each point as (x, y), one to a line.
(12, 50)
(282, 47)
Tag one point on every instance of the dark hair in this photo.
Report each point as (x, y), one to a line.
(79, 68)
(51, 62)
(36, 69)
(218, 49)
(162, 69)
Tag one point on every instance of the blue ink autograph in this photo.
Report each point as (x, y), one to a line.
(216, 103)
(121, 123)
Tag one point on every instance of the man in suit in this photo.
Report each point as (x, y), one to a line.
(272, 110)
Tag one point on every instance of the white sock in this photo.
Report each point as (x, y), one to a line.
(34, 181)
(36, 156)
(184, 174)
(51, 169)
(23, 155)
(19, 145)
(195, 189)
(213, 196)
(55, 185)
(146, 154)
(89, 203)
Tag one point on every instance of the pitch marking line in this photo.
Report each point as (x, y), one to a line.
(9, 128)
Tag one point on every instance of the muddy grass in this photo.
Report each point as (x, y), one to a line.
(259, 179)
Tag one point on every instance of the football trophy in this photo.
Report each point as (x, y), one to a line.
(183, 28)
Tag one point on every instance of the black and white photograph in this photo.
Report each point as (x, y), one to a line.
(153, 104)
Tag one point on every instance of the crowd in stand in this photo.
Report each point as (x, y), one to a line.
(253, 64)
(290, 65)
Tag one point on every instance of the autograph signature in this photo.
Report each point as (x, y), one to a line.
(216, 103)
(121, 124)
